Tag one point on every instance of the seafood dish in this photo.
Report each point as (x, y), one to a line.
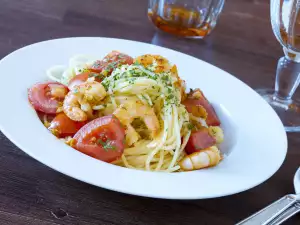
(131, 112)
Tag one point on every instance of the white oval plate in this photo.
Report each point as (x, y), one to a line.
(254, 135)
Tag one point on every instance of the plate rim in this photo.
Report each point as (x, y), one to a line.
(27, 151)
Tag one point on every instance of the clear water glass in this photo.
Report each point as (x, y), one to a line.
(285, 20)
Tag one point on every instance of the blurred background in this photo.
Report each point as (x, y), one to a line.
(28, 21)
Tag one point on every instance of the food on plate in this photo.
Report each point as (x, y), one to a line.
(79, 102)
(47, 97)
(102, 138)
(62, 126)
(131, 112)
(201, 159)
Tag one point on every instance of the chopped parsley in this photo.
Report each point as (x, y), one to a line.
(165, 78)
(213, 131)
(144, 98)
(111, 65)
(106, 145)
(96, 75)
(131, 75)
(190, 126)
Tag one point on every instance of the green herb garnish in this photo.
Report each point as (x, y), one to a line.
(106, 145)
(190, 126)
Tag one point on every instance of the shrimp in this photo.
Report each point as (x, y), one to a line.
(131, 110)
(79, 102)
(159, 64)
(205, 158)
(156, 63)
(131, 135)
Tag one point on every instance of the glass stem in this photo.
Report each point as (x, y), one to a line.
(287, 79)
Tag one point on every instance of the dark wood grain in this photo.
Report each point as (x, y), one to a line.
(242, 44)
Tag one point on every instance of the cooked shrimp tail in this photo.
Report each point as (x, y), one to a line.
(205, 158)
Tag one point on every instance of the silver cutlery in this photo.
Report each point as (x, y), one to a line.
(279, 211)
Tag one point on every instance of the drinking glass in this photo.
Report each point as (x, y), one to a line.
(188, 18)
(285, 20)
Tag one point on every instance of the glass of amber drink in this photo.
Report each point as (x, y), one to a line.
(187, 18)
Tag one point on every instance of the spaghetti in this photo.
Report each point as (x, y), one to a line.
(162, 123)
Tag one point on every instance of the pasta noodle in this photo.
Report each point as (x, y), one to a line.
(147, 98)
(163, 152)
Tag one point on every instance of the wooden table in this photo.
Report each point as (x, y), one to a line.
(242, 44)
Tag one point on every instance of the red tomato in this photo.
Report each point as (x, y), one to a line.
(81, 78)
(102, 138)
(46, 97)
(113, 60)
(212, 118)
(63, 126)
(199, 140)
(45, 117)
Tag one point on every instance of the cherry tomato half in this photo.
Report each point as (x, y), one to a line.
(62, 126)
(46, 97)
(102, 138)
(199, 140)
(44, 117)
